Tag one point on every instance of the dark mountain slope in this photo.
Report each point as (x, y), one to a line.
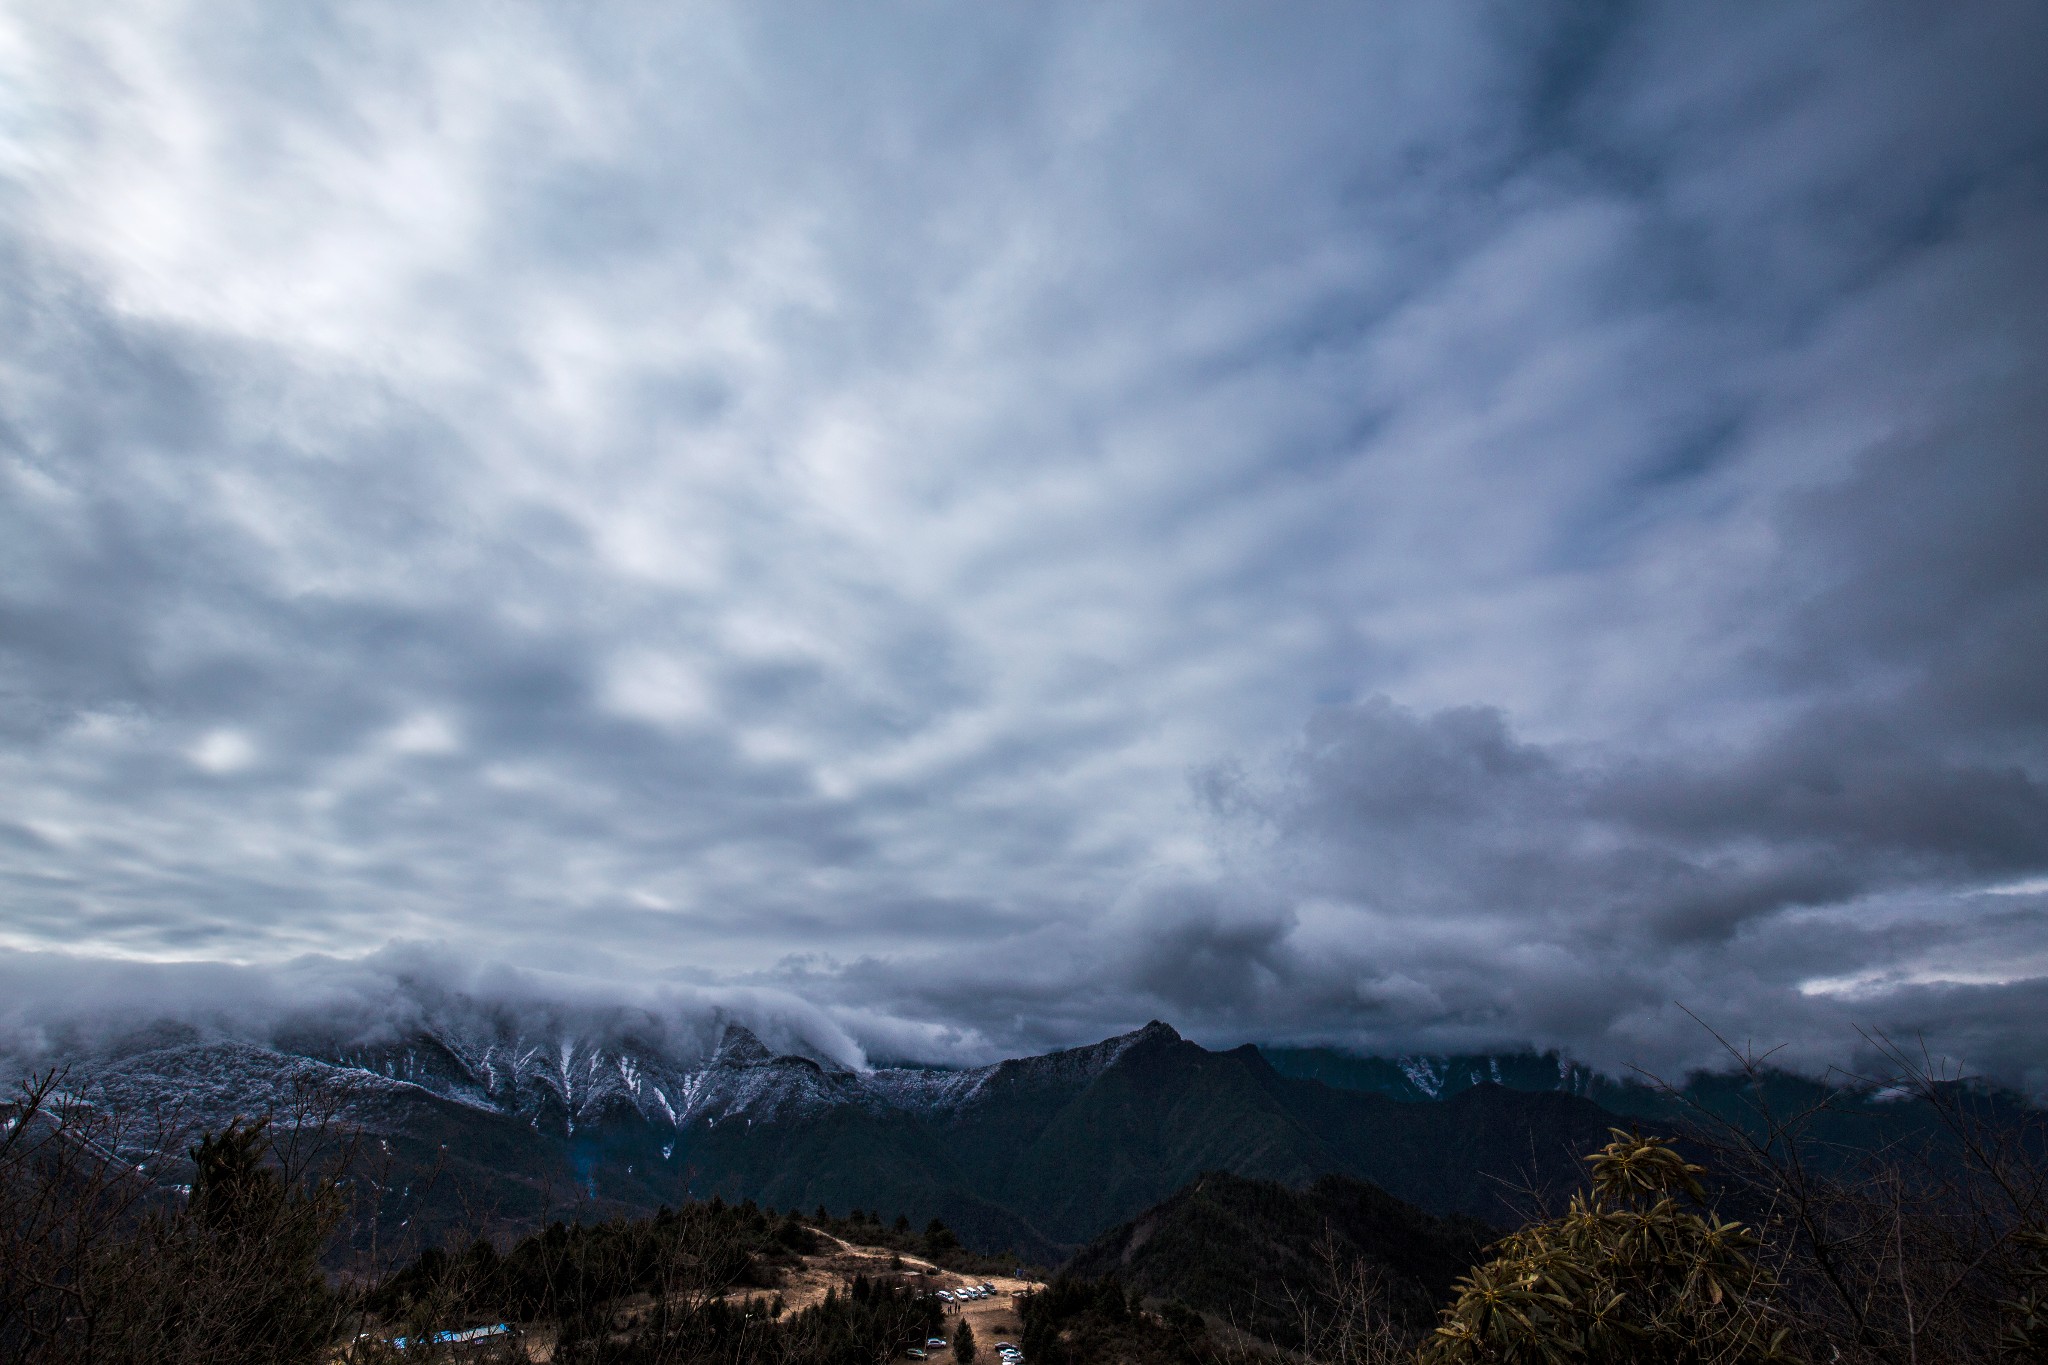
(1165, 1111)
(849, 1158)
(1043, 1153)
(1471, 1154)
(1485, 1153)
(1249, 1251)
(1034, 1155)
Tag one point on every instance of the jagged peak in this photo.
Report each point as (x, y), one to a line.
(1113, 1049)
(1117, 1045)
(738, 1046)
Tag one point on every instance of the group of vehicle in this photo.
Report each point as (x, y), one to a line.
(1007, 1353)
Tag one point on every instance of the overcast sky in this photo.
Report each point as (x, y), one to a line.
(1423, 525)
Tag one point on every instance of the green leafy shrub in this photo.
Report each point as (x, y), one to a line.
(2026, 1328)
(1639, 1272)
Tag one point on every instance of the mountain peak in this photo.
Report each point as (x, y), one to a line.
(1155, 1032)
(1113, 1049)
(739, 1047)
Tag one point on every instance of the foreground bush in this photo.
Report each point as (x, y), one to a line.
(100, 1264)
(1639, 1272)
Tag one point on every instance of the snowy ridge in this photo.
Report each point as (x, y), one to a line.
(578, 1082)
(562, 1082)
(1420, 1076)
(203, 1087)
(570, 1081)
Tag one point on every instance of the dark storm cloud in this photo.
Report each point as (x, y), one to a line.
(664, 498)
(1431, 878)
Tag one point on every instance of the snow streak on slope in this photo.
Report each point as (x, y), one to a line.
(560, 1081)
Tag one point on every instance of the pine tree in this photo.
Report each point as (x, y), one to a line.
(963, 1342)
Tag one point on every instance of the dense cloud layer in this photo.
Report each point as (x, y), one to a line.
(79, 1012)
(1455, 525)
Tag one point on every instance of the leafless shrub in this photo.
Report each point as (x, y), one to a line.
(1345, 1320)
(103, 1259)
(1910, 1242)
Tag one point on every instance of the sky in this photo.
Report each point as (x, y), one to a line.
(1415, 527)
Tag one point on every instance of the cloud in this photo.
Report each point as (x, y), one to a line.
(1430, 880)
(62, 1008)
(791, 498)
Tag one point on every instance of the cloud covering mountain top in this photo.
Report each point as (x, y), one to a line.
(63, 1009)
(1452, 527)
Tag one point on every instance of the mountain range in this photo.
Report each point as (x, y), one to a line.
(1034, 1155)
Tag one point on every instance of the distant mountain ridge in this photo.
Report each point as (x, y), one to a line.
(564, 1081)
(1438, 1076)
(1035, 1154)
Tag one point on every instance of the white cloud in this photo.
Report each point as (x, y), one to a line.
(224, 751)
(661, 688)
(425, 733)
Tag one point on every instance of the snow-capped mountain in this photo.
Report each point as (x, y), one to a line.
(511, 1119)
(560, 1082)
(1424, 1076)
(570, 1081)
